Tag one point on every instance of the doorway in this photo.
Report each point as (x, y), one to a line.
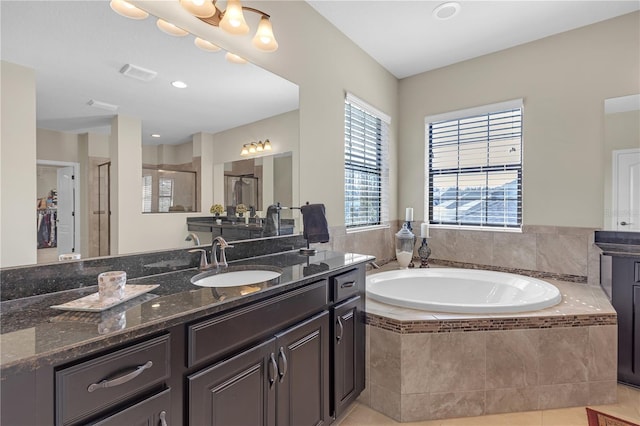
(626, 190)
(58, 229)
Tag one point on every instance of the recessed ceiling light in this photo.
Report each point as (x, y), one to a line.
(446, 10)
(179, 84)
(155, 135)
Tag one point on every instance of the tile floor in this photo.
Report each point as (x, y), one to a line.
(627, 408)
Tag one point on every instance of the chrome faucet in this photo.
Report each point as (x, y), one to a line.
(193, 237)
(223, 258)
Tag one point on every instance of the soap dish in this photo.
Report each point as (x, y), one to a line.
(93, 303)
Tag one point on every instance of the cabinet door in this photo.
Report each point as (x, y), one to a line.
(154, 411)
(348, 353)
(236, 392)
(303, 373)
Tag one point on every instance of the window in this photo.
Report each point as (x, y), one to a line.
(366, 134)
(475, 166)
(165, 194)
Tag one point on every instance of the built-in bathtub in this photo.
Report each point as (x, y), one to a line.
(462, 290)
(427, 364)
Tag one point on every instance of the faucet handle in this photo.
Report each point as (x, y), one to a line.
(203, 258)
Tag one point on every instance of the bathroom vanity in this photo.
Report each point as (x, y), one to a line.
(285, 352)
(620, 278)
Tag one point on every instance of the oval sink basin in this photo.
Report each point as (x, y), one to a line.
(234, 278)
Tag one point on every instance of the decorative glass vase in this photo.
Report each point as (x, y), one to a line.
(405, 241)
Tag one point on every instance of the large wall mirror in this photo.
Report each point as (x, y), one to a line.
(86, 59)
(622, 163)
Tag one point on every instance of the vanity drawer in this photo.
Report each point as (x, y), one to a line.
(85, 389)
(346, 284)
(208, 340)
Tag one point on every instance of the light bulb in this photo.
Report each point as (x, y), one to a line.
(264, 38)
(199, 8)
(259, 147)
(126, 9)
(169, 28)
(232, 57)
(233, 19)
(206, 45)
(267, 145)
(244, 151)
(252, 148)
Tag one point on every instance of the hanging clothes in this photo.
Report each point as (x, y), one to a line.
(47, 230)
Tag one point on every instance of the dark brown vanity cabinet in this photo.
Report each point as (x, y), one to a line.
(348, 338)
(120, 381)
(625, 298)
(283, 381)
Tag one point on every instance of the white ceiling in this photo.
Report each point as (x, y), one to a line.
(78, 47)
(405, 38)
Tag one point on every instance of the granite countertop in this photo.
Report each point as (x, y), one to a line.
(622, 243)
(32, 332)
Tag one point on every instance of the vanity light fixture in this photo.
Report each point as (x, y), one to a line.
(155, 135)
(255, 147)
(169, 28)
(231, 20)
(126, 9)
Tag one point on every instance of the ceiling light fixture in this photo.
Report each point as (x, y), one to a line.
(446, 10)
(126, 9)
(230, 20)
(155, 135)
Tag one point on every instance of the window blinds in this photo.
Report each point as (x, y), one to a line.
(475, 169)
(366, 168)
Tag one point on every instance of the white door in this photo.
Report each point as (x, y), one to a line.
(626, 190)
(66, 214)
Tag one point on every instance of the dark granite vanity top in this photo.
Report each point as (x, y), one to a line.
(618, 243)
(33, 332)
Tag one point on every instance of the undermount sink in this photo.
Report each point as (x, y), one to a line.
(234, 278)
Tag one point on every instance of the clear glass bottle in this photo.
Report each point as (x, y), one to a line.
(405, 241)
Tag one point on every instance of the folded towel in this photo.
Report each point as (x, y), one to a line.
(270, 227)
(316, 229)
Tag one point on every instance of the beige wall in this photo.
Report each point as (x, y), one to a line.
(18, 165)
(564, 80)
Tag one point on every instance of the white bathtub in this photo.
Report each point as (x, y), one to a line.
(461, 290)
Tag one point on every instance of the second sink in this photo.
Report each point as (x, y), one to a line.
(234, 278)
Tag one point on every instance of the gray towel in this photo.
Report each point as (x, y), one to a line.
(270, 227)
(316, 229)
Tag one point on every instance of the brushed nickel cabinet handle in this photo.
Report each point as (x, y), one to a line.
(348, 284)
(339, 336)
(285, 365)
(163, 418)
(120, 380)
(273, 370)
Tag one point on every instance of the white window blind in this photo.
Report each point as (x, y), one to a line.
(475, 167)
(147, 181)
(366, 164)
(165, 194)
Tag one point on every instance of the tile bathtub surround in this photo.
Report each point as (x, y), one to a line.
(460, 365)
(26, 281)
(561, 251)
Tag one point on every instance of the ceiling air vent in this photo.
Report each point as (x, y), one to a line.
(138, 73)
(102, 105)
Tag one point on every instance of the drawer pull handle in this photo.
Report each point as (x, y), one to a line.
(285, 365)
(163, 418)
(348, 284)
(273, 370)
(339, 336)
(120, 380)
